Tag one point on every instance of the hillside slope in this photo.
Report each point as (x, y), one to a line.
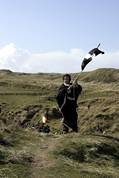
(24, 152)
(103, 75)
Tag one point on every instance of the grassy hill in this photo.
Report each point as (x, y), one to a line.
(93, 152)
(102, 75)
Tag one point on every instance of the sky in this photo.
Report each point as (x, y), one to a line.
(55, 35)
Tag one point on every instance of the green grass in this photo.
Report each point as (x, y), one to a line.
(90, 154)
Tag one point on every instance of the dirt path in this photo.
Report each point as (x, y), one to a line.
(43, 158)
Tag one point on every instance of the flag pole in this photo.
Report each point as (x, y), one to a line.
(75, 79)
(98, 45)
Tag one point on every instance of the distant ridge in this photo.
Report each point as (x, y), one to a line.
(5, 71)
(105, 75)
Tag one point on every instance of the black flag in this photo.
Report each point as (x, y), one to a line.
(89, 56)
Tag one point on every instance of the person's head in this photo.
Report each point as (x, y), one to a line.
(67, 78)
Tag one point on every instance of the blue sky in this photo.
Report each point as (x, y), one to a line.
(53, 31)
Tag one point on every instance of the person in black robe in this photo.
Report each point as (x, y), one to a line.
(67, 101)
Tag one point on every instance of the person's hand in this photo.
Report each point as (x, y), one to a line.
(62, 119)
(60, 109)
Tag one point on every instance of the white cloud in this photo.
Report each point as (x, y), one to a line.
(109, 60)
(20, 60)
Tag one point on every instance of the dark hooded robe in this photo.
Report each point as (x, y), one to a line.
(67, 101)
